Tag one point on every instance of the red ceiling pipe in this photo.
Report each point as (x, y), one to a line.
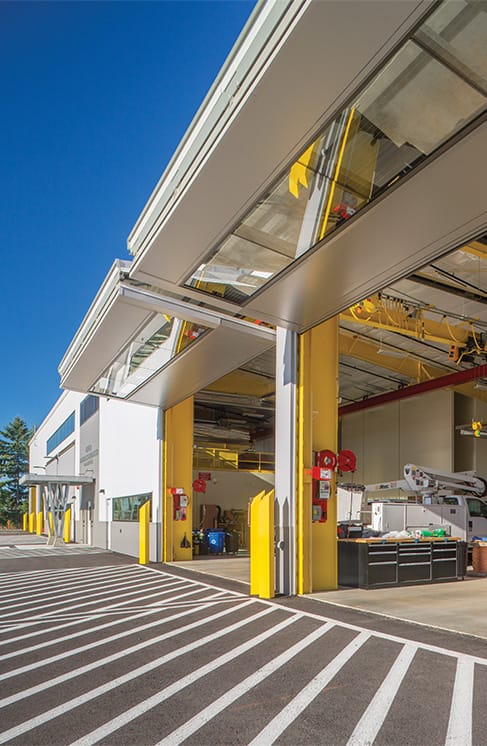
(453, 379)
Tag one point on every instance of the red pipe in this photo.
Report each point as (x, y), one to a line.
(453, 379)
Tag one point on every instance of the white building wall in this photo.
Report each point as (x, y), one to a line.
(68, 402)
(64, 458)
(130, 462)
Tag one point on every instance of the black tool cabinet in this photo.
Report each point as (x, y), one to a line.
(366, 564)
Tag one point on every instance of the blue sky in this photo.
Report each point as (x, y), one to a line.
(95, 98)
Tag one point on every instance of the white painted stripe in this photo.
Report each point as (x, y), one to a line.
(49, 683)
(74, 595)
(122, 604)
(208, 713)
(169, 691)
(45, 587)
(65, 590)
(367, 728)
(54, 712)
(141, 586)
(384, 635)
(71, 586)
(459, 731)
(88, 616)
(211, 600)
(103, 641)
(199, 582)
(38, 575)
(298, 704)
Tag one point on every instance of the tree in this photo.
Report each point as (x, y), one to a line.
(14, 462)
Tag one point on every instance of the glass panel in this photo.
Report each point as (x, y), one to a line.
(241, 265)
(417, 101)
(463, 27)
(61, 433)
(127, 508)
(156, 345)
(410, 108)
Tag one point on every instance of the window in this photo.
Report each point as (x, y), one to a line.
(88, 407)
(61, 433)
(476, 507)
(127, 508)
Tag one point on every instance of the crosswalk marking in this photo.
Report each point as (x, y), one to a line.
(294, 708)
(204, 716)
(115, 683)
(80, 611)
(180, 684)
(460, 722)
(370, 723)
(103, 641)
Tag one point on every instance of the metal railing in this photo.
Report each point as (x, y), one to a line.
(213, 459)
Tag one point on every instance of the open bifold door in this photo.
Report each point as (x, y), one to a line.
(143, 347)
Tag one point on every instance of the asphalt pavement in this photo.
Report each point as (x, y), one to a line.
(97, 649)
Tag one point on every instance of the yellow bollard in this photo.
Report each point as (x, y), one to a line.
(144, 539)
(50, 525)
(24, 522)
(39, 523)
(32, 518)
(67, 526)
(262, 562)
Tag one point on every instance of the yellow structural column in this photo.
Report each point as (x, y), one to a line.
(317, 430)
(67, 526)
(262, 562)
(39, 523)
(178, 473)
(144, 533)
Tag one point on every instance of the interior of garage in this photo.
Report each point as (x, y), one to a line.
(412, 382)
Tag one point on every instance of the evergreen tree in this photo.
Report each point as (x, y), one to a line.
(14, 462)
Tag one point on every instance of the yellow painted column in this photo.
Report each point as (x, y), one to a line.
(317, 430)
(178, 473)
(32, 518)
(39, 523)
(144, 533)
(67, 526)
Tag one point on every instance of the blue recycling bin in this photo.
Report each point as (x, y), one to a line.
(216, 541)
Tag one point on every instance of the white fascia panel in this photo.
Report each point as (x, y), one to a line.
(120, 323)
(440, 207)
(327, 52)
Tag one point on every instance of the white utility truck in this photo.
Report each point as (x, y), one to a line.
(452, 501)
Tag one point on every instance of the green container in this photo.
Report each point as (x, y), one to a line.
(434, 532)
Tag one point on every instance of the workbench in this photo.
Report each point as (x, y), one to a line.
(373, 563)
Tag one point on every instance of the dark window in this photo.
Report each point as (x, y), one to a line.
(87, 408)
(61, 433)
